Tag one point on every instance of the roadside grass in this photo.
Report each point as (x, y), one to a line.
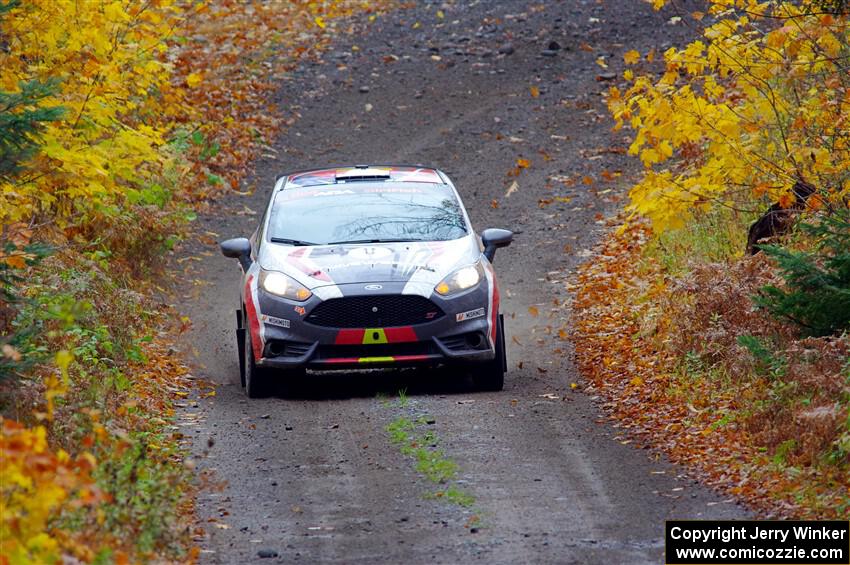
(457, 496)
(414, 440)
(714, 237)
(667, 332)
(400, 431)
(107, 396)
(434, 464)
(402, 397)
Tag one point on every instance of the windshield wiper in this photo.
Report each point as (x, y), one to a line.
(355, 241)
(290, 241)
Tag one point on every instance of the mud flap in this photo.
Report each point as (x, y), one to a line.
(240, 344)
(504, 348)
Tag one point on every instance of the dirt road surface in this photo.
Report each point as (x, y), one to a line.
(313, 477)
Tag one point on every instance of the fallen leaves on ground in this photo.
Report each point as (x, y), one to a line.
(243, 49)
(638, 328)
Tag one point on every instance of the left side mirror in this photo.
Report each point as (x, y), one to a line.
(493, 239)
(238, 248)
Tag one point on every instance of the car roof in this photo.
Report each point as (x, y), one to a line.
(360, 173)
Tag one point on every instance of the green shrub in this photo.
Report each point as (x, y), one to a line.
(17, 351)
(21, 122)
(816, 296)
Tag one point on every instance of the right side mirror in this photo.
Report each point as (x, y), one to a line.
(493, 239)
(238, 248)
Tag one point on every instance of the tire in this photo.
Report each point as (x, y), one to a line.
(490, 376)
(240, 344)
(255, 379)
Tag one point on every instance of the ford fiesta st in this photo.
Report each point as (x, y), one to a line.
(367, 266)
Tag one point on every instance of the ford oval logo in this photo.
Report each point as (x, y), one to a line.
(372, 287)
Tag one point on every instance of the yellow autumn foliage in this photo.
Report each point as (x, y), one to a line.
(37, 481)
(113, 82)
(759, 103)
(159, 97)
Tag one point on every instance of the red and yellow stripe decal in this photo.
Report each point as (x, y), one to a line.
(376, 336)
(372, 336)
(366, 360)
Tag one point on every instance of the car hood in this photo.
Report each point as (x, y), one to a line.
(322, 265)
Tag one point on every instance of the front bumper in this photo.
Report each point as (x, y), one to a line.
(441, 341)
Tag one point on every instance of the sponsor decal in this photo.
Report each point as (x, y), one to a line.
(329, 193)
(477, 313)
(372, 287)
(300, 310)
(430, 315)
(272, 321)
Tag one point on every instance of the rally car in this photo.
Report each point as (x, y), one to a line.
(367, 266)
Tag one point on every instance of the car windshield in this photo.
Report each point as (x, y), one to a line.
(361, 212)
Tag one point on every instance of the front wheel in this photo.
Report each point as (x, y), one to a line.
(256, 379)
(490, 376)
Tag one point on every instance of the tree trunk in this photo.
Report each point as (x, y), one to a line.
(777, 220)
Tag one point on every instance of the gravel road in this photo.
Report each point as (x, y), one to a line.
(314, 477)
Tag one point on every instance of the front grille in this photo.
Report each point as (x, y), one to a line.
(382, 311)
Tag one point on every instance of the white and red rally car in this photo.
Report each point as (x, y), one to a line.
(367, 266)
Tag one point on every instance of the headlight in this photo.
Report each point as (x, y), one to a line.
(279, 284)
(462, 279)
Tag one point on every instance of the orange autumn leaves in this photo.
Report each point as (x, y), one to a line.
(53, 501)
(521, 164)
(37, 482)
(620, 334)
(662, 352)
(730, 122)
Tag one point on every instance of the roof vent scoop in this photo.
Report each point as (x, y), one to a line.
(363, 172)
